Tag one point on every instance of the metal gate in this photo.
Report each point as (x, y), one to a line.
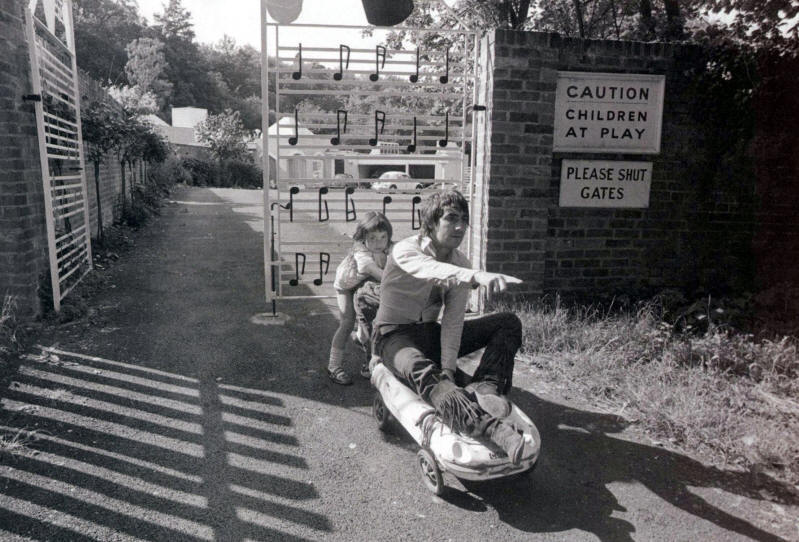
(54, 78)
(404, 109)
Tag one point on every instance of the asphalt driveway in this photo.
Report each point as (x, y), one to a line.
(176, 414)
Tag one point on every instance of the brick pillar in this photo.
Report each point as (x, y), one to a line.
(514, 160)
(23, 240)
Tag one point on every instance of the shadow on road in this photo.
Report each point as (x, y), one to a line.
(122, 448)
(156, 420)
(580, 460)
(177, 425)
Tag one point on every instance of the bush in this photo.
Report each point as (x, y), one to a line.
(201, 172)
(169, 172)
(233, 173)
(243, 174)
(141, 206)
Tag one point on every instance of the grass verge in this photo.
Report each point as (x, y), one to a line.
(717, 393)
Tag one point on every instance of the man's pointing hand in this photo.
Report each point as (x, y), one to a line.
(494, 282)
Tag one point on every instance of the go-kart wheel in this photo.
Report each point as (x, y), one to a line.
(381, 413)
(431, 474)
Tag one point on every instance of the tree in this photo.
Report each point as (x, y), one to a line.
(133, 99)
(102, 28)
(185, 69)
(100, 127)
(492, 13)
(145, 66)
(236, 72)
(764, 24)
(129, 147)
(175, 22)
(225, 135)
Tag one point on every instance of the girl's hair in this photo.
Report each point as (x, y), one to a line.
(433, 208)
(373, 221)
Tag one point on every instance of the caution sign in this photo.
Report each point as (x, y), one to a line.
(608, 112)
(605, 183)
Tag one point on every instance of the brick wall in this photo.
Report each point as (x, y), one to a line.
(23, 242)
(693, 233)
(110, 171)
(23, 236)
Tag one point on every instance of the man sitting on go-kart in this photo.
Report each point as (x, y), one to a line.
(422, 274)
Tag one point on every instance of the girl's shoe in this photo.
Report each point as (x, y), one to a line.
(339, 376)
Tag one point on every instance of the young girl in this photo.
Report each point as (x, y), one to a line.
(365, 262)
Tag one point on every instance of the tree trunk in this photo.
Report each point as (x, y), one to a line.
(674, 23)
(518, 16)
(578, 12)
(615, 20)
(647, 22)
(99, 204)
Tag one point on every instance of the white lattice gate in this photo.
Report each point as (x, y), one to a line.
(404, 109)
(56, 94)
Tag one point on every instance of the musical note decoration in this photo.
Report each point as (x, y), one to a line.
(323, 191)
(380, 118)
(380, 52)
(296, 138)
(339, 75)
(337, 138)
(293, 190)
(349, 205)
(443, 142)
(296, 280)
(445, 78)
(414, 78)
(416, 214)
(297, 75)
(412, 146)
(324, 261)
(273, 253)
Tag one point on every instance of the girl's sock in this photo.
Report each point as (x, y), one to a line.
(336, 357)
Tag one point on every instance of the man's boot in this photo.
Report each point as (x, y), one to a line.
(489, 398)
(454, 406)
(508, 438)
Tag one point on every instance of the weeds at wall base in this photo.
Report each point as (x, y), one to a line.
(11, 332)
(721, 394)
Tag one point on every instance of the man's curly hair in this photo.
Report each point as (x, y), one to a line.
(433, 208)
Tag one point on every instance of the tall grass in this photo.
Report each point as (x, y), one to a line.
(719, 393)
(9, 329)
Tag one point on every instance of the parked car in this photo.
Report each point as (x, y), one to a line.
(343, 180)
(442, 185)
(397, 180)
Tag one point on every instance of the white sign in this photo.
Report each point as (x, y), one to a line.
(608, 112)
(605, 183)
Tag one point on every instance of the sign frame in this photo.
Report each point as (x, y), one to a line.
(571, 196)
(622, 82)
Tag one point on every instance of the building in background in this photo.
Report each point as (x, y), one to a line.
(182, 134)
